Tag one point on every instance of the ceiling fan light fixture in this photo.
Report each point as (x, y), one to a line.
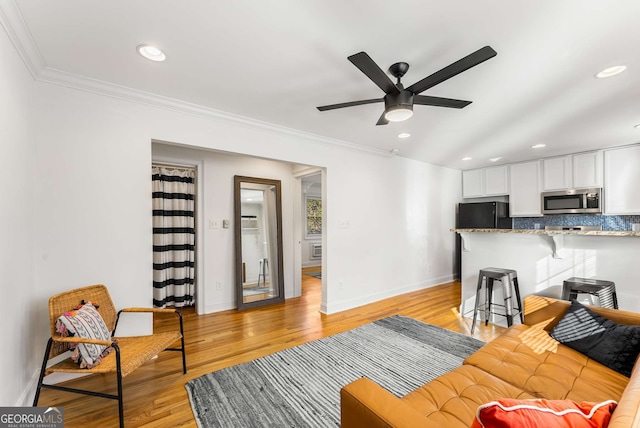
(398, 113)
(151, 52)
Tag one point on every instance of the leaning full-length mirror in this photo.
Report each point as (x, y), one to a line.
(258, 235)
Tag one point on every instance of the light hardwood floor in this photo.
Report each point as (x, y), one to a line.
(155, 396)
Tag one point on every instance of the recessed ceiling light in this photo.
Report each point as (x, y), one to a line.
(151, 52)
(495, 159)
(538, 146)
(404, 135)
(611, 71)
(466, 159)
(637, 126)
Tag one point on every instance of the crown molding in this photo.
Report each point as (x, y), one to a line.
(82, 83)
(13, 23)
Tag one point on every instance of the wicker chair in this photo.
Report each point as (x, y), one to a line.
(130, 352)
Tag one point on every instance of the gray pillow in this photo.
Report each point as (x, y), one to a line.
(612, 344)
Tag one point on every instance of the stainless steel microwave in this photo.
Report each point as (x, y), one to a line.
(575, 201)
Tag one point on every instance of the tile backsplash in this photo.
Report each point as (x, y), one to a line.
(608, 222)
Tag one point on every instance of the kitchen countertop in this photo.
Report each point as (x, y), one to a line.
(552, 232)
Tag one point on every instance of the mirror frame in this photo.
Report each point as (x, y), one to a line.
(238, 180)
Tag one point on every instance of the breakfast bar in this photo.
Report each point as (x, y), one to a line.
(545, 258)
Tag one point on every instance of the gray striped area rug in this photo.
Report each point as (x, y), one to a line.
(300, 387)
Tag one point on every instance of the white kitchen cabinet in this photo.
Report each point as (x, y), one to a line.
(491, 181)
(577, 171)
(496, 180)
(622, 181)
(556, 173)
(525, 184)
(473, 183)
(587, 170)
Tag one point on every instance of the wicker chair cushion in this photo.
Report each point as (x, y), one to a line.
(86, 322)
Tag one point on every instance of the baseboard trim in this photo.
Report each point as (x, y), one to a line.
(375, 297)
(218, 307)
(313, 264)
(26, 398)
(323, 308)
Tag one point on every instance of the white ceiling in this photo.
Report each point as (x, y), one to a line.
(275, 61)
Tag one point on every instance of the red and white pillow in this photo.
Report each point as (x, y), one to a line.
(509, 413)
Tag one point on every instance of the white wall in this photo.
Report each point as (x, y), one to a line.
(93, 161)
(22, 307)
(398, 212)
(92, 207)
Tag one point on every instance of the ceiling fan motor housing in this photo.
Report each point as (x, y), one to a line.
(398, 107)
(403, 99)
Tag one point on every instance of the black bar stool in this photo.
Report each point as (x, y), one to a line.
(263, 269)
(605, 291)
(509, 280)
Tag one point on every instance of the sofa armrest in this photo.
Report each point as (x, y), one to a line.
(627, 414)
(364, 403)
(547, 312)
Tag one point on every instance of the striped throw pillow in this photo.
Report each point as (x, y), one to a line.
(86, 322)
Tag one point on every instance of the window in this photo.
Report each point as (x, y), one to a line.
(314, 216)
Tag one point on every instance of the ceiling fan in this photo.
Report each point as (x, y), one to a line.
(398, 101)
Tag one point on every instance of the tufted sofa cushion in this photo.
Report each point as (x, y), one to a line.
(451, 400)
(529, 359)
(524, 362)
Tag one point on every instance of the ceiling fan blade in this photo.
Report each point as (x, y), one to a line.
(383, 120)
(373, 72)
(471, 60)
(439, 102)
(350, 104)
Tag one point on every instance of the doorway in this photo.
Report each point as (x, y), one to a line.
(311, 231)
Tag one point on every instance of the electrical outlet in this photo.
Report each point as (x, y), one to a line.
(214, 223)
(429, 268)
(344, 224)
(218, 285)
(340, 285)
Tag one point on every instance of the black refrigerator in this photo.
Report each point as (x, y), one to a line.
(480, 215)
(484, 215)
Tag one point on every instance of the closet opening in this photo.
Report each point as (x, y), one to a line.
(174, 235)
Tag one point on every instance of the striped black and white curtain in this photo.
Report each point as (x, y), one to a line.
(173, 236)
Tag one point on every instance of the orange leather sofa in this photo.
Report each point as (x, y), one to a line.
(524, 362)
